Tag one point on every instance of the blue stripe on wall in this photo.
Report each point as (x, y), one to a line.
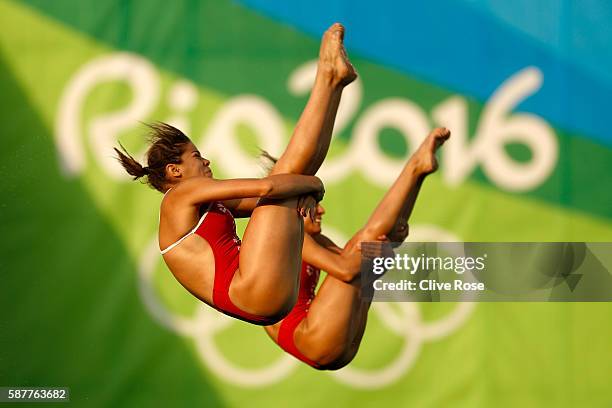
(468, 50)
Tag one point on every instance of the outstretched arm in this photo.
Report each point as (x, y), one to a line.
(241, 207)
(322, 253)
(199, 190)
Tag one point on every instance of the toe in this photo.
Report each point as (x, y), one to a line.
(338, 30)
(441, 133)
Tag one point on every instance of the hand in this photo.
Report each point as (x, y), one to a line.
(307, 206)
(399, 232)
(318, 196)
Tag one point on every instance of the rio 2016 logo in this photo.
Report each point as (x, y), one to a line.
(497, 127)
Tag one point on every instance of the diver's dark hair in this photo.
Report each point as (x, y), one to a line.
(167, 144)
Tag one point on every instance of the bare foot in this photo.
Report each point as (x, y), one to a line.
(333, 61)
(424, 159)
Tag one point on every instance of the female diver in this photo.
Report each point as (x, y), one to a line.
(257, 280)
(325, 330)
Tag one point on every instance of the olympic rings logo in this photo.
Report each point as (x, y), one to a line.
(206, 323)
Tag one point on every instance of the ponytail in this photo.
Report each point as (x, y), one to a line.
(167, 144)
(130, 164)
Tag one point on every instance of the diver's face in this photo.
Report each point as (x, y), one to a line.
(314, 227)
(193, 164)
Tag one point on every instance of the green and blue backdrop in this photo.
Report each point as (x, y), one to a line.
(85, 299)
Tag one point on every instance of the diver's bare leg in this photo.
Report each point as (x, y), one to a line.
(312, 135)
(400, 198)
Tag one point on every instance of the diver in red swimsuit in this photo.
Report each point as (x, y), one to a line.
(217, 227)
(256, 281)
(325, 329)
(309, 278)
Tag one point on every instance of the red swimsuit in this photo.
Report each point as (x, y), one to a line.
(309, 278)
(218, 228)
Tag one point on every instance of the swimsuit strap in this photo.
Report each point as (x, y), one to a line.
(164, 251)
